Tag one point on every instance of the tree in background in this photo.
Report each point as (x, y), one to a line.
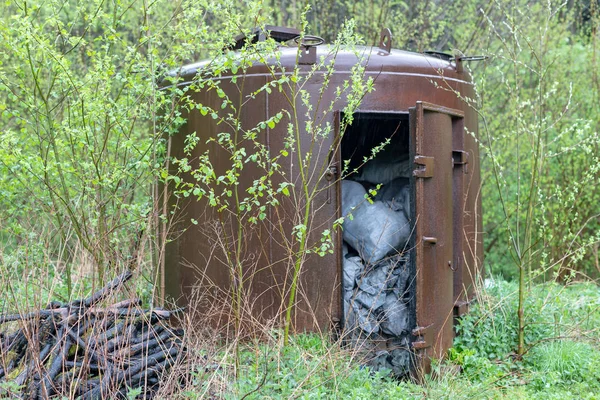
(83, 122)
(82, 127)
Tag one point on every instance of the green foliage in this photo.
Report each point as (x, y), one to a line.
(9, 389)
(133, 394)
(82, 125)
(489, 330)
(541, 118)
(563, 363)
(481, 365)
(255, 182)
(82, 151)
(310, 367)
(558, 319)
(539, 94)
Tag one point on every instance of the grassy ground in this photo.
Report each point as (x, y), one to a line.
(563, 361)
(562, 335)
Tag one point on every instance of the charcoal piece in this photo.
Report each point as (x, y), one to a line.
(353, 194)
(374, 278)
(401, 362)
(370, 302)
(396, 358)
(107, 290)
(353, 266)
(358, 319)
(372, 287)
(400, 355)
(400, 275)
(381, 360)
(348, 251)
(349, 314)
(396, 316)
(366, 319)
(374, 229)
(396, 195)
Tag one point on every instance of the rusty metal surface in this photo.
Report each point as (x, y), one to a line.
(197, 258)
(432, 130)
(318, 300)
(399, 62)
(386, 40)
(448, 203)
(471, 248)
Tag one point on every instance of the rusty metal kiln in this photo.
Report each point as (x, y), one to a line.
(434, 151)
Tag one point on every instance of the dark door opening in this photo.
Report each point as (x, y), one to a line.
(377, 287)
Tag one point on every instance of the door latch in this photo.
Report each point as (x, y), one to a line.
(427, 167)
(460, 157)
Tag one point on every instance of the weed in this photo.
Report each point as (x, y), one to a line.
(564, 363)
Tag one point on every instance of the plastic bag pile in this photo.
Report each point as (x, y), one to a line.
(376, 268)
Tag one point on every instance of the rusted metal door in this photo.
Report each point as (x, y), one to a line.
(460, 163)
(431, 130)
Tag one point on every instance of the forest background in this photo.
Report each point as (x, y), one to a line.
(82, 132)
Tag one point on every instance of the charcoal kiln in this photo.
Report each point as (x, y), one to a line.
(404, 264)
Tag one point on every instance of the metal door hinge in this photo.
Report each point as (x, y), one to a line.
(331, 172)
(427, 167)
(330, 175)
(424, 337)
(461, 307)
(460, 157)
